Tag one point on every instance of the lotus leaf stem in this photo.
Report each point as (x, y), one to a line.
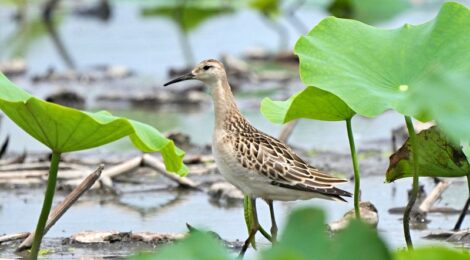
(458, 224)
(357, 177)
(46, 205)
(414, 192)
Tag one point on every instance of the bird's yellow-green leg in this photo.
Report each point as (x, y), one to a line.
(273, 221)
(248, 212)
(264, 233)
(251, 218)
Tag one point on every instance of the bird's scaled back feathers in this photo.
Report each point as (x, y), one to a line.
(266, 155)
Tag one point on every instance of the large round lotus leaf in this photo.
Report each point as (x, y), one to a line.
(445, 97)
(437, 157)
(311, 103)
(373, 70)
(64, 129)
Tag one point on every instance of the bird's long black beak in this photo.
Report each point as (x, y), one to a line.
(181, 78)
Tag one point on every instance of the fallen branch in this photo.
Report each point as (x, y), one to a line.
(39, 166)
(21, 182)
(62, 207)
(129, 165)
(105, 180)
(433, 196)
(16, 160)
(156, 164)
(203, 169)
(65, 174)
(426, 205)
(94, 237)
(13, 237)
(195, 159)
(442, 210)
(121, 168)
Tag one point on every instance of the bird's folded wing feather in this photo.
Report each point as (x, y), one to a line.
(268, 156)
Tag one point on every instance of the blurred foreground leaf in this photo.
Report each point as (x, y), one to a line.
(303, 238)
(347, 243)
(431, 253)
(198, 245)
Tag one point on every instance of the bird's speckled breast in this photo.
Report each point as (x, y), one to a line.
(227, 163)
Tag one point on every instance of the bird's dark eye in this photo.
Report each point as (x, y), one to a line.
(207, 67)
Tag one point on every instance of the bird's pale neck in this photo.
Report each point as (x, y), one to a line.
(224, 102)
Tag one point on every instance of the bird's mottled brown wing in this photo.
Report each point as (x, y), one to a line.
(270, 157)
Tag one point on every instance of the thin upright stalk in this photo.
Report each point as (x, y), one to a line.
(48, 12)
(183, 35)
(279, 28)
(465, 208)
(46, 205)
(357, 177)
(414, 192)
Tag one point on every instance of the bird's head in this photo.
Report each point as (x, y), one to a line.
(208, 71)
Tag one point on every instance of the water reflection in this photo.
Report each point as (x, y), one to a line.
(47, 16)
(149, 203)
(187, 16)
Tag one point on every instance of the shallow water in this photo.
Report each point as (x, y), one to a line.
(168, 211)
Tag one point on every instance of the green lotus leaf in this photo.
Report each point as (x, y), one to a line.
(431, 253)
(373, 70)
(198, 245)
(444, 97)
(368, 11)
(65, 129)
(466, 150)
(359, 233)
(304, 236)
(438, 157)
(311, 103)
(187, 16)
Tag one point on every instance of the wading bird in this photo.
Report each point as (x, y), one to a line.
(259, 165)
